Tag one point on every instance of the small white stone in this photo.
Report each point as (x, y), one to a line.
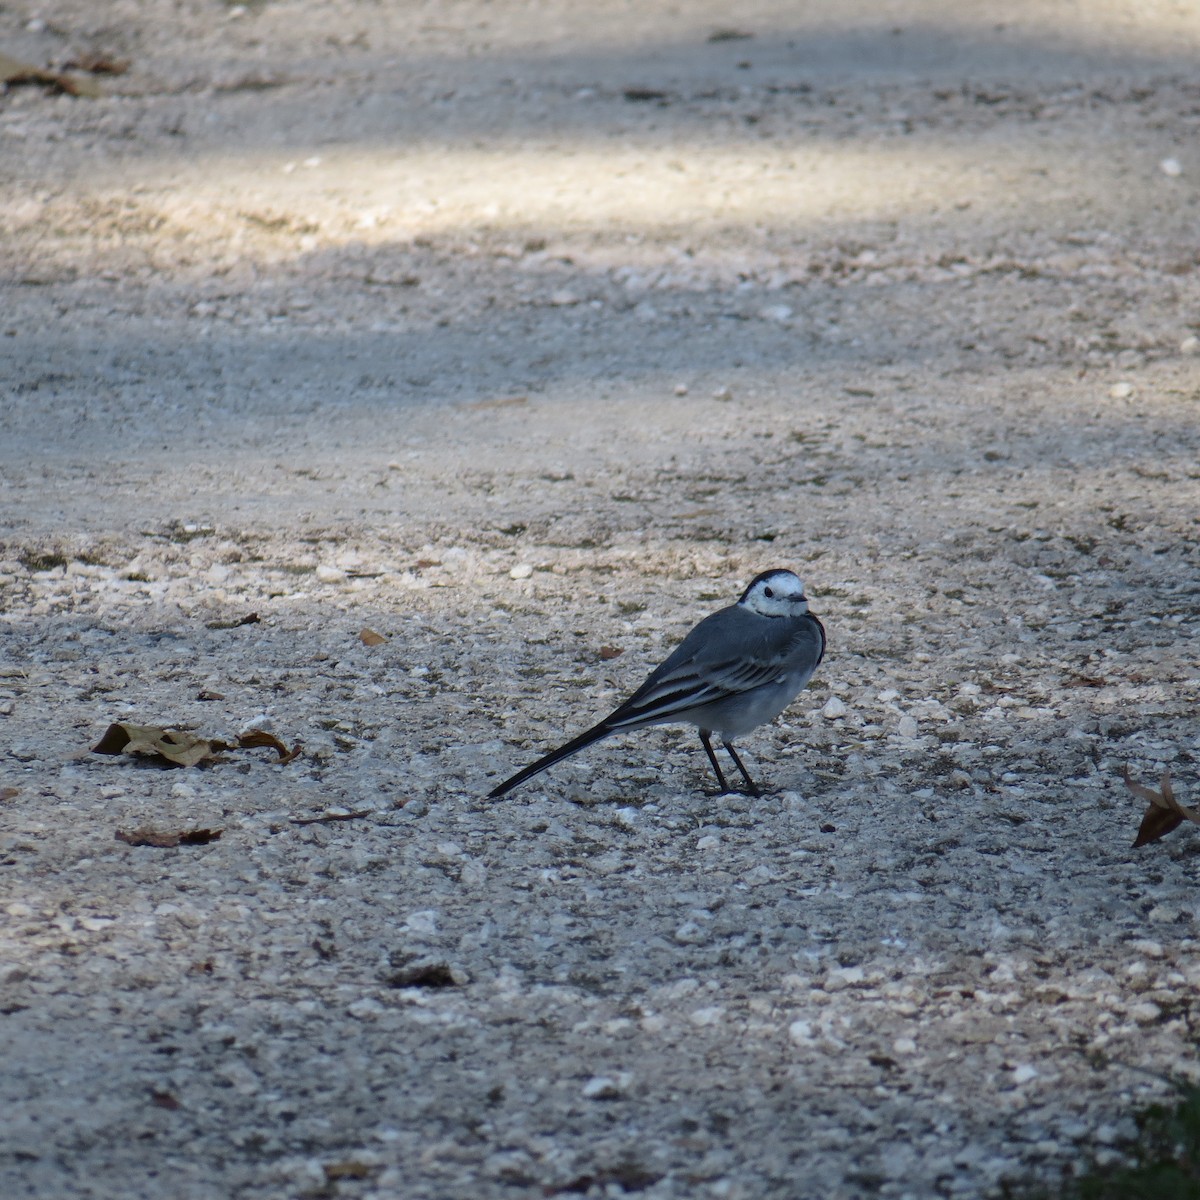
(681, 389)
(833, 709)
(704, 1017)
(722, 393)
(327, 574)
(1145, 1013)
(800, 1032)
(843, 977)
(904, 1045)
(563, 299)
(708, 842)
(1148, 948)
(776, 312)
(423, 921)
(1190, 345)
(365, 1009)
(1171, 166)
(690, 934)
(604, 1087)
(521, 571)
(1024, 1073)
(907, 727)
(1121, 391)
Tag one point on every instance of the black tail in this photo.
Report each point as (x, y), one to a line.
(595, 734)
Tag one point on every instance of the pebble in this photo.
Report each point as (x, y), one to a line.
(366, 1009)
(521, 571)
(834, 708)
(800, 1032)
(722, 393)
(776, 312)
(842, 978)
(690, 934)
(605, 1087)
(1189, 345)
(328, 574)
(1171, 166)
(1121, 391)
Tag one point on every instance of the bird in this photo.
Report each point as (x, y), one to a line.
(739, 668)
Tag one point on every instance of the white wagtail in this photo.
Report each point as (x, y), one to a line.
(738, 669)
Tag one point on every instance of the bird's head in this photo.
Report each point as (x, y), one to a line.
(775, 593)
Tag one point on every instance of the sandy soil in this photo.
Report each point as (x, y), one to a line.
(524, 334)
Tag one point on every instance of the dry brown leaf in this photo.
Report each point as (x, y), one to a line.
(254, 738)
(172, 746)
(248, 619)
(422, 563)
(7, 793)
(207, 695)
(98, 64)
(1165, 812)
(607, 652)
(167, 841)
(167, 1100)
(348, 1170)
(13, 71)
(370, 638)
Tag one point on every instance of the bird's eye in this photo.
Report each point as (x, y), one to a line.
(770, 595)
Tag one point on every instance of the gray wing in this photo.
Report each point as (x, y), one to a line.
(727, 654)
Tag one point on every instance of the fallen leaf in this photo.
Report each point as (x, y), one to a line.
(423, 563)
(254, 738)
(607, 652)
(13, 71)
(1165, 812)
(1091, 681)
(325, 818)
(7, 793)
(167, 841)
(641, 95)
(98, 64)
(426, 975)
(207, 695)
(248, 619)
(164, 1100)
(348, 1170)
(174, 747)
(370, 638)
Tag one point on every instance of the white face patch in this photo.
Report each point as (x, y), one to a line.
(776, 594)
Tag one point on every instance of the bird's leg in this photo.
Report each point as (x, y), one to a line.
(706, 738)
(752, 788)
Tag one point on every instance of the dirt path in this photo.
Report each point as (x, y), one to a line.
(527, 333)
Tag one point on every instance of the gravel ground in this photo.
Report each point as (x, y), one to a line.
(524, 335)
